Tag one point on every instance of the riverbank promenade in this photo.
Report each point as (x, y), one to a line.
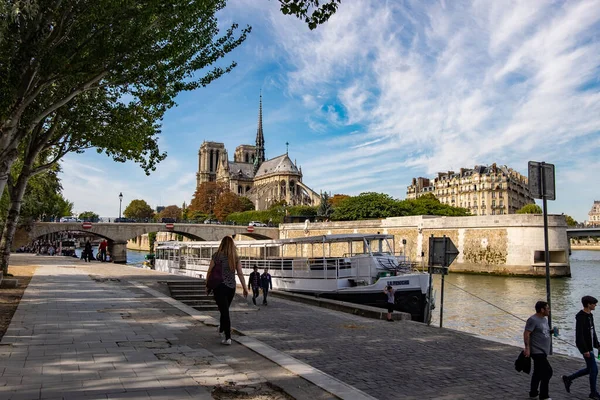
(106, 331)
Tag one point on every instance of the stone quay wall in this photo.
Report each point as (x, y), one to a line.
(495, 244)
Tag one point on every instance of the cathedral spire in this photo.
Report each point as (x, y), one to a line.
(260, 139)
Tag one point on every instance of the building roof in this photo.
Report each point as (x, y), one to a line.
(279, 164)
(241, 170)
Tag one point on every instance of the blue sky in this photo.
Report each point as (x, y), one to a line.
(384, 92)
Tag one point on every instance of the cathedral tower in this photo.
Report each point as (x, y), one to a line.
(260, 139)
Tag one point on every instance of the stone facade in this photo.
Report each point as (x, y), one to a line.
(594, 214)
(501, 244)
(250, 174)
(482, 190)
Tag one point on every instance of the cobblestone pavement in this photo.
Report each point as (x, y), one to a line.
(402, 359)
(85, 332)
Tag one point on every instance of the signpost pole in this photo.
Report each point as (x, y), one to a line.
(430, 288)
(444, 265)
(542, 173)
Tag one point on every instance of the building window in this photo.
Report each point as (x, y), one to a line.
(493, 203)
(493, 195)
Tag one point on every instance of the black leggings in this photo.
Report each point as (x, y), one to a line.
(224, 296)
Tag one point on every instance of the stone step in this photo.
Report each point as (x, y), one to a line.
(186, 283)
(193, 303)
(212, 307)
(184, 292)
(193, 297)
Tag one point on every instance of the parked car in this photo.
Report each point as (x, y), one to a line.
(211, 221)
(167, 220)
(70, 219)
(124, 220)
(257, 223)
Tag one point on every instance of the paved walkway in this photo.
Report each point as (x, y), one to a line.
(86, 332)
(102, 331)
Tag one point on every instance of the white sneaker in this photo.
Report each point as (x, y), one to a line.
(221, 334)
(226, 342)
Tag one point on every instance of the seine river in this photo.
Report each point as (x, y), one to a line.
(466, 313)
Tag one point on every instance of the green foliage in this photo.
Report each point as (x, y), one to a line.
(321, 11)
(325, 208)
(43, 199)
(89, 216)
(138, 209)
(570, 221)
(197, 216)
(379, 205)
(369, 205)
(530, 209)
(243, 218)
(247, 204)
(428, 204)
(151, 241)
(305, 211)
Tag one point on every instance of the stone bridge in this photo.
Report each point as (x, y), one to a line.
(117, 234)
(583, 232)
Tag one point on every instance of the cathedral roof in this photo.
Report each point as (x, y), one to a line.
(280, 164)
(241, 170)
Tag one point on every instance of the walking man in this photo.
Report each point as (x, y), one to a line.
(254, 282)
(586, 340)
(265, 283)
(102, 249)
(537, 346)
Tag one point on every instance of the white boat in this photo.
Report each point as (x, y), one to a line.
(347, 267)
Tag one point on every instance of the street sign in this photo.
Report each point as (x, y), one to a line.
(169, 226)
(86, 225)
(441, 251)
(538, 189)
(250, 228)
(441, 254)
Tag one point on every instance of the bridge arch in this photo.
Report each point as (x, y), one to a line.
(118, 234)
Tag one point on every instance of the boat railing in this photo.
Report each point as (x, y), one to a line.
(312, 268)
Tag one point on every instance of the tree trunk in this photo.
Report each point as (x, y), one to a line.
(10, 227)
(7, 159)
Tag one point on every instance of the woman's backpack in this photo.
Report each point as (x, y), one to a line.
(216, 274)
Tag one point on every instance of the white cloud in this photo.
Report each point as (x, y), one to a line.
(460, 84)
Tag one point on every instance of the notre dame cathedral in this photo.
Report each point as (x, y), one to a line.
(250, 174)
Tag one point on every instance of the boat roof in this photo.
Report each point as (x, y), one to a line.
(344, 237)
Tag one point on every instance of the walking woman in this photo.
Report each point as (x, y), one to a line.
(227, 260)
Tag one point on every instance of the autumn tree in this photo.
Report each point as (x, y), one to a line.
(530, 209)
(227, 203)
(206, 196)
(138, 209)
(172, 212)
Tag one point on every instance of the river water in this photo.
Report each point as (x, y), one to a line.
(518, 296)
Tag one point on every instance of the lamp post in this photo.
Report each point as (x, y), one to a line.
(120, 202)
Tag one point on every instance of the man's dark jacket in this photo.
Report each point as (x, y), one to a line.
(523, 363)
(254, 280)
(585, 332)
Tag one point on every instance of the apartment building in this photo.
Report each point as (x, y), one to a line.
(483, 190)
